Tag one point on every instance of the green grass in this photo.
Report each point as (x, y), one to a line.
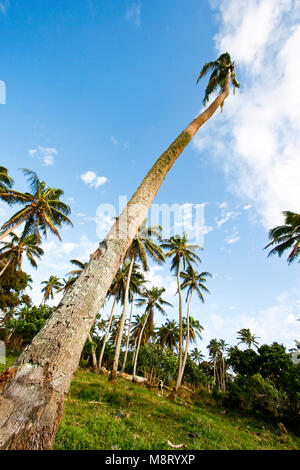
(151, 421)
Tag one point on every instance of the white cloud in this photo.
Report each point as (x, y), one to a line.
(92, 180)
(258, 135)
(133, 14)
(233, 238)
(156, 277)
(225, 215)
(45, 154)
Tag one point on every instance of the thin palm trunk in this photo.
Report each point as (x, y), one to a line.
(106, 334)
(134, 350)
(177, 384)
(11, 229)
(127, 340)
(138, 347)
(114, 371)
(214, 370)
(187, 344)
(6, 266)
(31, 403)
(180, 318)
(93, 354)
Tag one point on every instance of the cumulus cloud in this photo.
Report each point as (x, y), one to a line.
(258, 135)
(92, 180)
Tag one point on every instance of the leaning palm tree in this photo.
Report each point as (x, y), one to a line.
(286, 237)
(246, 337)
(51, 286)
(168, 335)
(141, 246)
(81, 303)
(152, 299)
(42, 209)
(181, 252)
(12, 252)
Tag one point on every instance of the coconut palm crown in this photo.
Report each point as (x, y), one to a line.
(285, 237)
(219, 69)
(42, 209)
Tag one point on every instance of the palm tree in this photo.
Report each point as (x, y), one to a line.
(12, 252)
(286, 237)
(67, 283)
(219, 74)
(87, 297)
(118, 290)
(216, 351)
(152, 299)
(137, 328)
(245, 336)
(140, 247)
(192, 281)
(140, 281)
(5, 180)
(42, 209)
(213, 348)
(168, 335)
(181, 252)
(193, 329)
(197, 356)
(53, 284)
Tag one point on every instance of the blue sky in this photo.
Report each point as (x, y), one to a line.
(96, 90)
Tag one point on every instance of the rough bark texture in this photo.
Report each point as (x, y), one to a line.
(31, 402)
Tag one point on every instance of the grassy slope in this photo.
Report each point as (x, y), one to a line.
(151, 421)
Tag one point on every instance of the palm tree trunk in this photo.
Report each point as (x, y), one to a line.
(214, 370)
(114, 371)
(106, 334)
(93, 354)
(31, 403)
(187, 344)
(138, 347)
(6, 266)
(11, 229)
(134, 350)
(177, 384)
(127, 340)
